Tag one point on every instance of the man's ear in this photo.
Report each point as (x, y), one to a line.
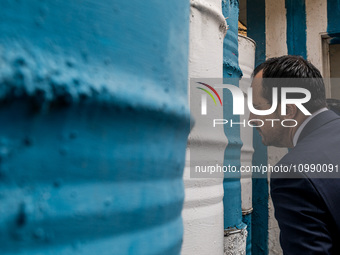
(291, 111)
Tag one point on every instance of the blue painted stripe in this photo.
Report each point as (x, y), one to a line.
(333, 25)
(333, 14)
(260, 200)
(247, 220)
(296, 27)
(232, 155)
(256, 29)
(231, 68)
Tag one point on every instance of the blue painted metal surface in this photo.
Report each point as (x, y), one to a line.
(94, 123)
(247, 220)
(296, 28)
(333, 14)
(333, 25)
(256, 30)
(232, 71)
(260, 200)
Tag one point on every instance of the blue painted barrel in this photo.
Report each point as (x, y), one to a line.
(234, 228)
(93, 126)
(231, 74)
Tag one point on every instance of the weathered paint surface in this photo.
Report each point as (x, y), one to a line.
(247, 220)
(276, 28)
(296, 27)
(94, 121)
(203, 206)
(234, 241)
(333, 26)
(333, 14)
(256, 28)
(274, 246)
(231, 69)
(316, 22)
(257, 31)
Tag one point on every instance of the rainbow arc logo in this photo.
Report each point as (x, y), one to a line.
(204, 97)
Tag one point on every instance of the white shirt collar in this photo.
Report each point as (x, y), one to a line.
(298, 132)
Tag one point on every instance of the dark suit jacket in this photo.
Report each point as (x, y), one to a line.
(308, 208)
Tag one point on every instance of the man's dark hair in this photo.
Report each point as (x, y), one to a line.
(293, 67)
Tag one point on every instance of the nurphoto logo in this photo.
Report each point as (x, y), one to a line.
(243, 99)
(238, 99)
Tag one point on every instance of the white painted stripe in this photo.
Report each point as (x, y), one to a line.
(316, 15)
(276, 28)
